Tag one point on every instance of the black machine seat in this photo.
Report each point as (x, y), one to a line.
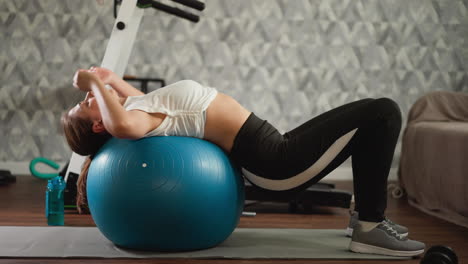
(319, 194)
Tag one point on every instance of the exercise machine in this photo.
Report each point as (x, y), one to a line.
(116, 59)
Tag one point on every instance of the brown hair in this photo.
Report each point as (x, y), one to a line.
(82, 140)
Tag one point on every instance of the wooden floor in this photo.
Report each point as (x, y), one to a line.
(22, 204)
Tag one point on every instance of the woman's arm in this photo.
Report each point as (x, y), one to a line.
(117, 121)
(118, 84)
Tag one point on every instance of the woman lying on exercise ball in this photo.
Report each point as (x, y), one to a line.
(367, 130)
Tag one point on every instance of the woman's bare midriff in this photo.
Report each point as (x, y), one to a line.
(224, 118)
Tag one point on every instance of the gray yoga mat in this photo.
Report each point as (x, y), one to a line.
(244, 243)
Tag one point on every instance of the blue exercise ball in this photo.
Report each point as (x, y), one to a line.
(164, 193)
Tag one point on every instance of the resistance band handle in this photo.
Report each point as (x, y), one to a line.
(168, 9)
(41, 175)
(192, 3)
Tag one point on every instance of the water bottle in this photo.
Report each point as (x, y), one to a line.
(54, 201)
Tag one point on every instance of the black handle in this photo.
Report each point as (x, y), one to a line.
(192, 3)
(169, 9)
(116, 3)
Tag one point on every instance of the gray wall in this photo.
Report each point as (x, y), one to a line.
(286, 60)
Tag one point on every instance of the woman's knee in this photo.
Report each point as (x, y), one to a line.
(389, 110)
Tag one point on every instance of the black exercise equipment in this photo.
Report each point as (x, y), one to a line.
(143, 82)
(319, 194)
(192, 3)
(69, 195)
(168, 9)
(440, 254)
(200, 6)
(6, 177)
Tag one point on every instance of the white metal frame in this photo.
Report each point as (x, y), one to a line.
(116, 56)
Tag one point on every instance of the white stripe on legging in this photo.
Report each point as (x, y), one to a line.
(303, 177)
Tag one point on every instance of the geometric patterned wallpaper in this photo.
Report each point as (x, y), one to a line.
(286, 60)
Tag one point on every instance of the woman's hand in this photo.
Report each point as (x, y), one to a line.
(105, 75)
(83, 80)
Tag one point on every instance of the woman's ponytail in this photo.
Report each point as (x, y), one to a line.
(81, 197)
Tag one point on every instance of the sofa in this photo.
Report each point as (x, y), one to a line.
(433, 169)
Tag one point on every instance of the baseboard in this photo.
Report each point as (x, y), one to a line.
(343, 173)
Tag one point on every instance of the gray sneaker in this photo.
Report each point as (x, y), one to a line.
(354, 218)
(384, 240)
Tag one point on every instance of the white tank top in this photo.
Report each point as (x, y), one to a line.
(184, 103)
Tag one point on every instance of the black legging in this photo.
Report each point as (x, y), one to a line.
(283, 165)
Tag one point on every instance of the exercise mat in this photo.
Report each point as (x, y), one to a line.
(244, 243)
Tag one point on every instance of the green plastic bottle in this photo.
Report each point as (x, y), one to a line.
(54, 207)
